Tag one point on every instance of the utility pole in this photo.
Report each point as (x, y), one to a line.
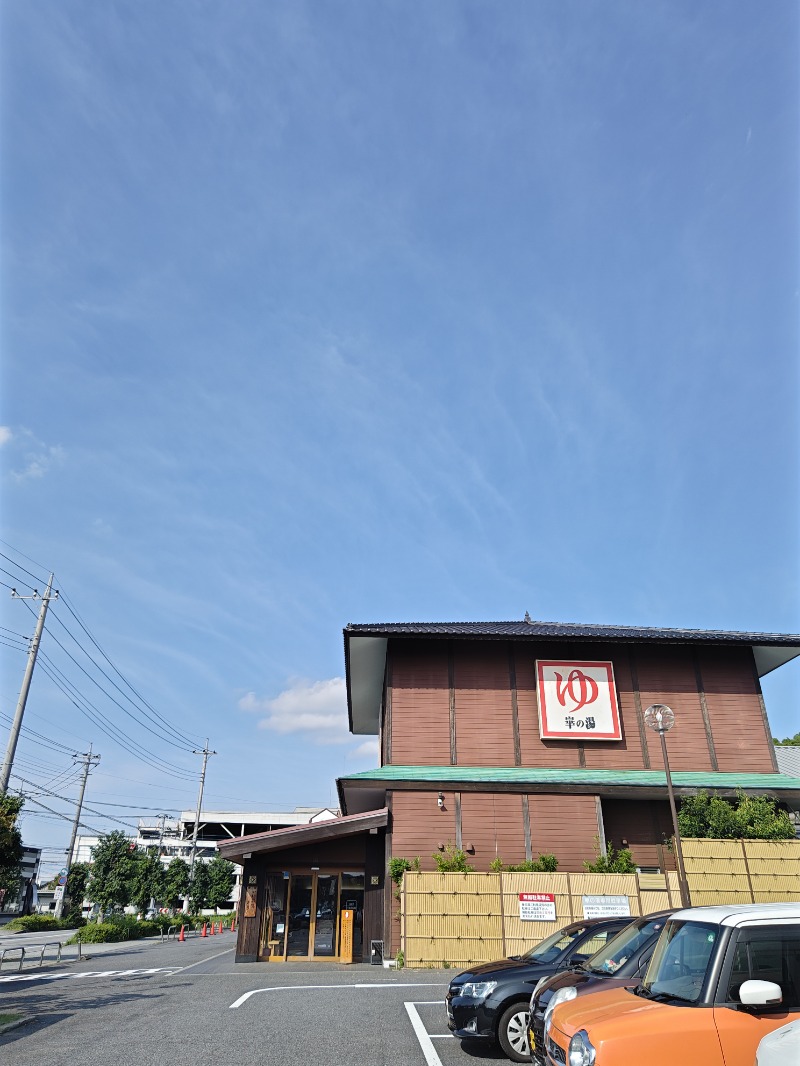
(13, 737)
(205, 753)
(88, 761)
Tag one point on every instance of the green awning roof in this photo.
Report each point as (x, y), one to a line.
(523, 775)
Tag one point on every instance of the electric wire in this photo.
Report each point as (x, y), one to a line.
(46, 741)
(65, 817)
(166, 732)
(105, 693)
(19, 566)
(102, 722)
(66, 799)
(181, 736)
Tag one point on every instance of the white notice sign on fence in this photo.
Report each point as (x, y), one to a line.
(537, 907)
(606, 906)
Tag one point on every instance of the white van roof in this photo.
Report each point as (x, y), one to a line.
(740, 913)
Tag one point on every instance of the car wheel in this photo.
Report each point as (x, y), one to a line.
(512, 1032)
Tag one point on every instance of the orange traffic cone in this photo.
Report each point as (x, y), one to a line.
(212, 929)
(204, 930)
(219, 930)
(182, 936)
(233, 925)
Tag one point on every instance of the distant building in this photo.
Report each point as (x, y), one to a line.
(25, 902)
(173, 836)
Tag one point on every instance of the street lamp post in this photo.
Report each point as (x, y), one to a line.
(661, 719)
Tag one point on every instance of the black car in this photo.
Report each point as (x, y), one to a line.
(490, 1001)
(622, 960)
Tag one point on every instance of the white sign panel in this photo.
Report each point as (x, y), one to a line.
(577, 700)
(59, 893)
(537, 907)
(606, 906)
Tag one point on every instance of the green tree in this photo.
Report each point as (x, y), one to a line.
(200, 887)
(793, 742)
(452, 860)
(750, 818)
(148, 879)
(113, 870)
(613, 862)
(10, 847)
(176, 883)
(546, 863)
(77, 879)
(221, 879)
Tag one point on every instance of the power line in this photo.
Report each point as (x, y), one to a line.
(18, 565)
(105, 693)
(181, 736)
(103, 723)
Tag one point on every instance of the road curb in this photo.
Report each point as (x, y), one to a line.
(17, 1024)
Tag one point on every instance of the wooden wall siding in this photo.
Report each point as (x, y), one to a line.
(645, 824)
(420, 825)
(373, 894)
(484, 714)
(492, 823)
(248, 929)
(534, 751)
(420, 703)
(667, 675)
(734, 710)
(565, 826)
(484, 726)
(625, 754)
(339, 852)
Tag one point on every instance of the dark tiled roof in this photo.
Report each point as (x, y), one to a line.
(582, 631)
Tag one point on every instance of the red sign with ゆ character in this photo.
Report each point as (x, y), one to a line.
(577, 700)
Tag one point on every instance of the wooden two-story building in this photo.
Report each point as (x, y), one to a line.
(508, 740)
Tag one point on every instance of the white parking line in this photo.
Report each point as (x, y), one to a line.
(425, 1042)
(305, 988)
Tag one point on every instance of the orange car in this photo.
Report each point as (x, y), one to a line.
(720, 979)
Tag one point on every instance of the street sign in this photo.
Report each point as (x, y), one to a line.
(62, 876)
(58, 894)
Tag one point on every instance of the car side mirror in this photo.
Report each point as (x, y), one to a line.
(760, 994)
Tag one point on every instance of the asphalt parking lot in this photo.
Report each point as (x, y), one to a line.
(188, 1005)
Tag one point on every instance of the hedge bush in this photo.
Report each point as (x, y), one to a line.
(100, 933)
(37, 923)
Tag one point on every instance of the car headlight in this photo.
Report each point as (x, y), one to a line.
(581, 1051)
(563, 995)
(477, 989)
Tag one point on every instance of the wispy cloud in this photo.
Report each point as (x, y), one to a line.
(37, 458)
(317, 709)
(370, 749)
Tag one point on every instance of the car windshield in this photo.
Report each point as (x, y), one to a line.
(620, 948)
(550, 949)
(680, 961)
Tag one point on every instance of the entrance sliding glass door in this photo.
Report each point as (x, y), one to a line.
(326, 922)
(301, 900)
(303, 914)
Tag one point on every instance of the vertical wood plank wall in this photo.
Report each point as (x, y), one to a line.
(491, 823)
(484, 719)
(564, 826)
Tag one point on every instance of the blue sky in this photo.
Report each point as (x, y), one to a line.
(317, 313)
